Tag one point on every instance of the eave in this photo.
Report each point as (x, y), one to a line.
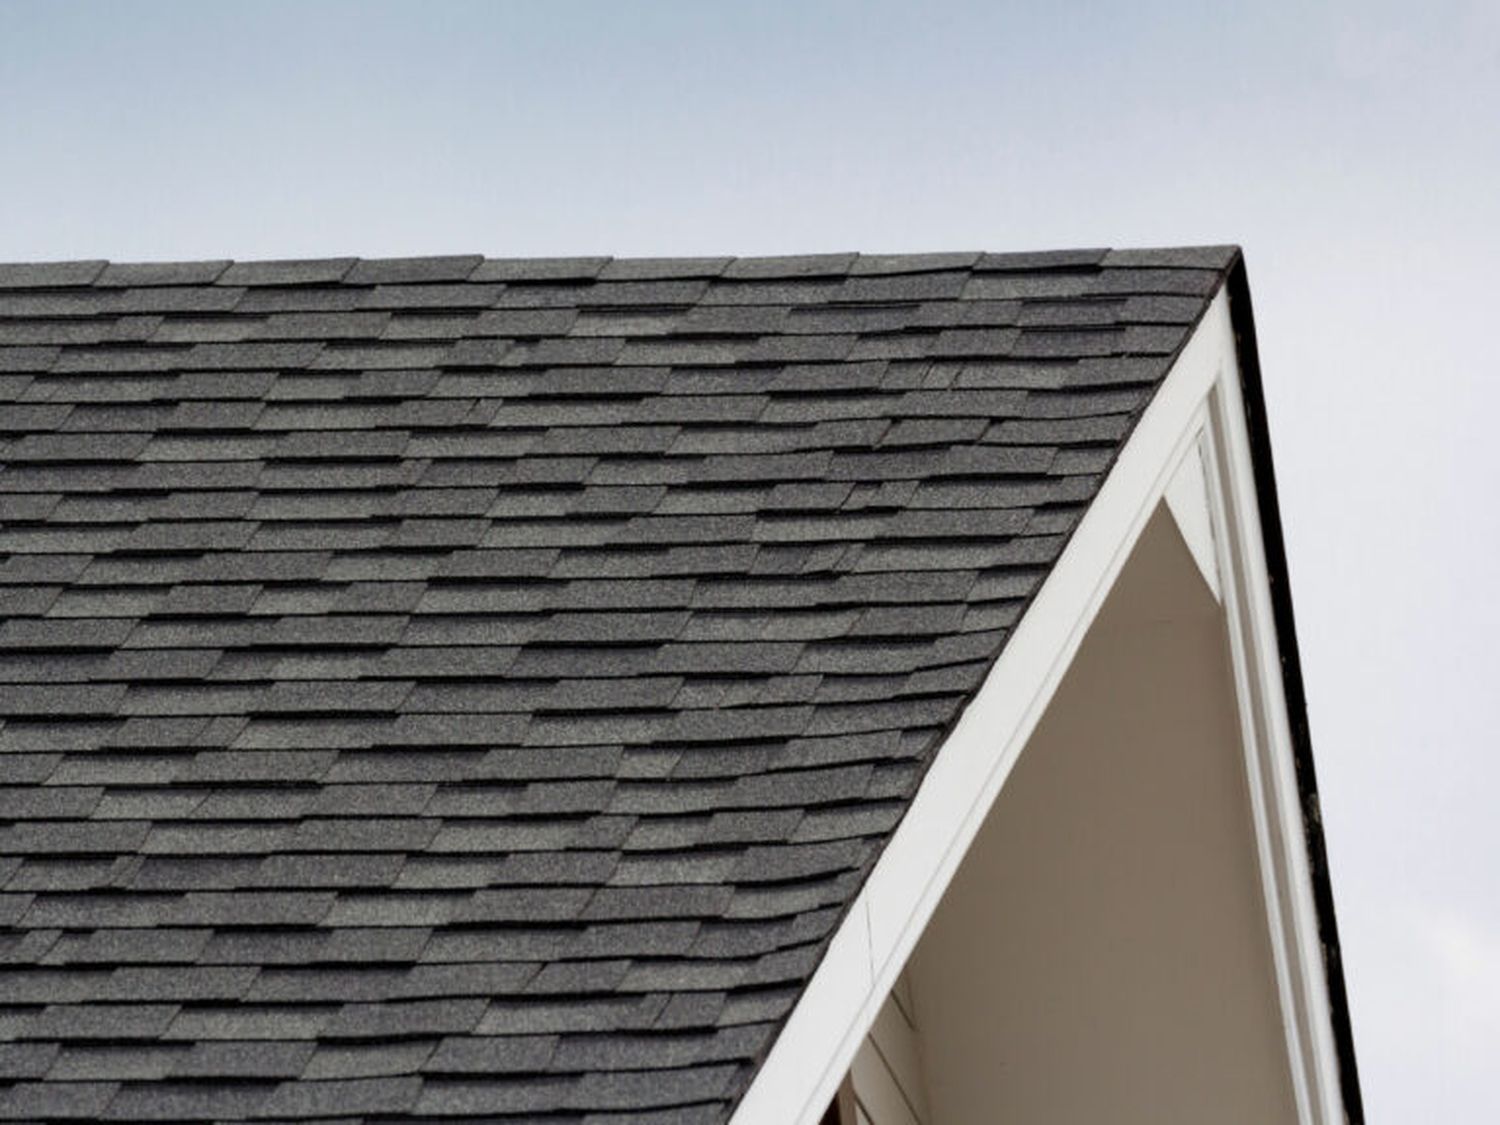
(1206, 423)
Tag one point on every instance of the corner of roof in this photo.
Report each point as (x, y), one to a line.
(1216, 257)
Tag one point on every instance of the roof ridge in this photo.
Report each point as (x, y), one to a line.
(68, 273)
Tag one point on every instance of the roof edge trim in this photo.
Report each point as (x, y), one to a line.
(1273, 544)
(888, 917)
(1213, 399)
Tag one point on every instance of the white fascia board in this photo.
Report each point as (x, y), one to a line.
(1270, 762)
(1197, 399)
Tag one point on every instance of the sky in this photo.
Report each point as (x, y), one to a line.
(1353, 149)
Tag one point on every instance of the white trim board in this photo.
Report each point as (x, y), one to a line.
(1193, 431)
(1187, 500)
(1286, 876)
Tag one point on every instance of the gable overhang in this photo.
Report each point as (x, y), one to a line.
(1202, 450)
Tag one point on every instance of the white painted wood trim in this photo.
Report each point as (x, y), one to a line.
(1195, 408)
(877, 1090)
(1270, 762)
(1187, 500)
(824, 1031)
(894, 1041)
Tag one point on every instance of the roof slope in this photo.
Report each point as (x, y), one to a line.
(446, 687)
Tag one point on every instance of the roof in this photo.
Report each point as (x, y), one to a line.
(450, 687)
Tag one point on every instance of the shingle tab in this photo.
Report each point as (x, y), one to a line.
(447, 686)
(289, 272)
(791, 266)
(372, 271)
(534, 270)
(127, 274)
(43, 275)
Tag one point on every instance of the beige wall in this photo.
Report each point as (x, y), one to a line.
(1102, 954)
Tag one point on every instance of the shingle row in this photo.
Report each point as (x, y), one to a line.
(450, 688)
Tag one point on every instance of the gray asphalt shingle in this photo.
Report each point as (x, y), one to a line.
(442, 686)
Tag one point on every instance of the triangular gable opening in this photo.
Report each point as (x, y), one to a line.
(1103, 952)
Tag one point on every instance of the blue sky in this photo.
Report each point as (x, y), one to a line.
(1351, 148)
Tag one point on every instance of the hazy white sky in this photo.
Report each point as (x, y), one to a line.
(1352, 148)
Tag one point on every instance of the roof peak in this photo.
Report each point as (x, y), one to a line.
(456, 648)
(349, 270)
